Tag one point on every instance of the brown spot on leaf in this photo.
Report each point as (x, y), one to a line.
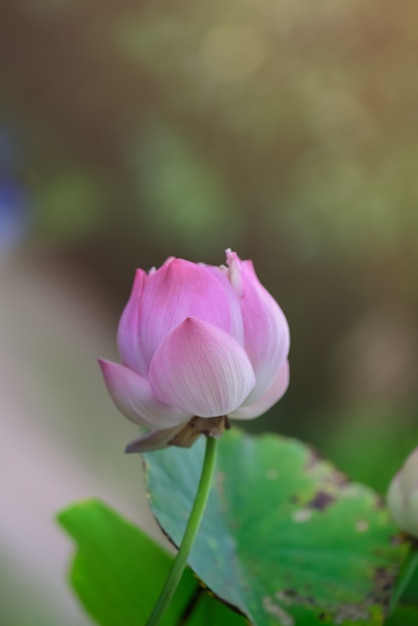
(402, 538)
(350, 612)
(321, 501)
(334, 477)
(361, 526)
(303, 515)
(312, 460)
(379, 503)
(338, 479)
(383, 581)
(290, 597)
(275, 610)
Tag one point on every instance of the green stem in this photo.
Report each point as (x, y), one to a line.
(190, 533)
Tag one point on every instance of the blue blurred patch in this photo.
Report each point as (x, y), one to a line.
(14, 214)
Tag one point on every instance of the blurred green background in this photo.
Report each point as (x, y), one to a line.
(132, 131)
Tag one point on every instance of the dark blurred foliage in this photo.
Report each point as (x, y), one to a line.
(285, 130)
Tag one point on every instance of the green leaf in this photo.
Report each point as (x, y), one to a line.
(406, 579)
(409, 579)
(403, 616)
(211, 612)
(118, 572)
(285, 537)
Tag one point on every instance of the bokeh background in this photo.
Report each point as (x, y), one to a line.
(131, 131)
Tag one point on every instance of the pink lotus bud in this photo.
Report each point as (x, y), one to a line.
(402, 497)
(198, 343)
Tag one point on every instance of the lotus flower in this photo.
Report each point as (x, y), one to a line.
(199, 344)
(402, 498)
